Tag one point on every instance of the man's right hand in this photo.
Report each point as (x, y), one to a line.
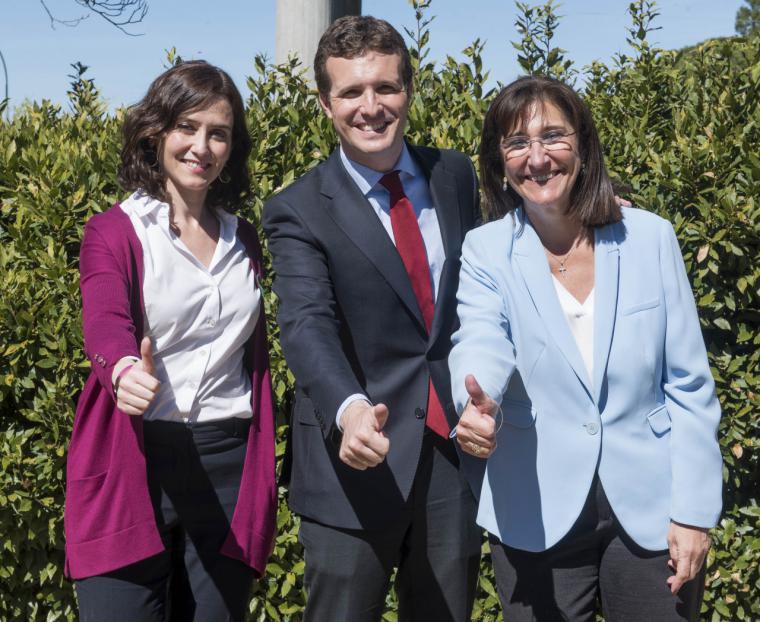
(364, 445)
(138, 386)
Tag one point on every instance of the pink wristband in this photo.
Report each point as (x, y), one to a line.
(123, 372)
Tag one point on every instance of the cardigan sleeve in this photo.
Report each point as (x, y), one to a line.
(109, 329)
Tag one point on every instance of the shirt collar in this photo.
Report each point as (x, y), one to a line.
(142, 204)
(366, 178)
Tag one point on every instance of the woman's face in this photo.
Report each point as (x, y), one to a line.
(542, 174)
(194, 152)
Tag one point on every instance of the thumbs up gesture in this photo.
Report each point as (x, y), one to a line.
(476, 431)
(138, 385)
(364, 445)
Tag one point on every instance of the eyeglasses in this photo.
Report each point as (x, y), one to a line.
(517, 146)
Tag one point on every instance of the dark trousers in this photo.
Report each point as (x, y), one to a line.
(435, 545)
(194, 476)
(595, 560)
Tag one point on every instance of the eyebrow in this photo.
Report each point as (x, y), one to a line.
(187, 119)
(547, 128)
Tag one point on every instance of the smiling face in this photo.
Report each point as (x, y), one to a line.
(368, 104)
(544, 178)
(194, 152)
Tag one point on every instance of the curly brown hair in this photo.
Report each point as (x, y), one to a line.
(355, 35)
(186, 87)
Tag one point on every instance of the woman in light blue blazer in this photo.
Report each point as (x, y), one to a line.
(589, 414)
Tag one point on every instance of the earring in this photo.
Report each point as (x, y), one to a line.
(222, 178)
(583, 168)
(504, 184)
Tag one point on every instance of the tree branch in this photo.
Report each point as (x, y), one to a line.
(118, 13)
(66, 22)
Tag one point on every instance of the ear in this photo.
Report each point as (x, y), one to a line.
(325, 105)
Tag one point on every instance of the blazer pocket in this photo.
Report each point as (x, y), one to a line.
(306, 414)
(659, 420)
(517, 413)
(641, 306)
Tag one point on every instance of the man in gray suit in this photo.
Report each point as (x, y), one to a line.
(366, 251)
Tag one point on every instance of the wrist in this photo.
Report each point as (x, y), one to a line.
(121, 373)
(349, 401)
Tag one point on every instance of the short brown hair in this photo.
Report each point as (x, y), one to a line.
(592, 198)
(184, 88)
(355, 35)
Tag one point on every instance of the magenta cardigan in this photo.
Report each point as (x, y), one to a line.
(109, 520)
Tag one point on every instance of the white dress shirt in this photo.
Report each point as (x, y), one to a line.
(417, 190)
(580, 319)
(198, 318)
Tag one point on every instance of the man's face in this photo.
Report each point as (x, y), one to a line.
(368, 104)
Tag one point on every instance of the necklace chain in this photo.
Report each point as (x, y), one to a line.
(561, 261)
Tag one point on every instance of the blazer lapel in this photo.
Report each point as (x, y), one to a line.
(606, 275)
(534, 269)
(352, 212)
(443, 192)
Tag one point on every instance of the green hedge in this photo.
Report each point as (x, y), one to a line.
(681, 132)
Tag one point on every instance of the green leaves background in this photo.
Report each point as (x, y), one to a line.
(681, 132)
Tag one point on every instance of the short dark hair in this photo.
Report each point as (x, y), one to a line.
(355, 35)
(184, 88)
(592, 198)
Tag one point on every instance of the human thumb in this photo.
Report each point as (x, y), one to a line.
(146, 354)
(381, 415)
(478, 397)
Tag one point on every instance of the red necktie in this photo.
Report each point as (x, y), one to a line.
(411, 247)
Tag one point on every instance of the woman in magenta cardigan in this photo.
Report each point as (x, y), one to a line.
(171, 494)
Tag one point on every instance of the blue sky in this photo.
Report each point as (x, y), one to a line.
(232, 32)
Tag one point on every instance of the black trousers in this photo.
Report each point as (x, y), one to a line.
(194, 476)
(435, 545)
(595, 560)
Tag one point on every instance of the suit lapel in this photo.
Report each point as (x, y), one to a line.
(352, 212)
(443, 192)
(606, 275)
(534, 269)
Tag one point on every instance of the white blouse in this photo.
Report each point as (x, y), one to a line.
(580, 319)
(198, 318)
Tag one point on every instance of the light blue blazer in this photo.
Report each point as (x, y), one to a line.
(647, 420)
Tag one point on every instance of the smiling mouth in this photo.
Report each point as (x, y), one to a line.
(196, 165)
(542, 178)
(373, 127)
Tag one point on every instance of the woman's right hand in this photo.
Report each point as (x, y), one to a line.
(476, 431)
(138, 386)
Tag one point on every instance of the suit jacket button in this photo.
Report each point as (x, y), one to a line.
(419, 413)
(592, 427)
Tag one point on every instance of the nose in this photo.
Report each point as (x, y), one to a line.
(370, 102)
(200, 142)
(536, 153)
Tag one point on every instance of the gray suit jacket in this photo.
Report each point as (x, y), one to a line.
(350, 323)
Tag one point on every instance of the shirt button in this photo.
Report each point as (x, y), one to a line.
(211, 322)
(592, 427)
(201, 353)
(419, 413)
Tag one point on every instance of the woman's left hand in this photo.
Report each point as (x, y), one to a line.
(688, 547)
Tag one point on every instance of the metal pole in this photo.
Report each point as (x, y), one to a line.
(300, 24)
